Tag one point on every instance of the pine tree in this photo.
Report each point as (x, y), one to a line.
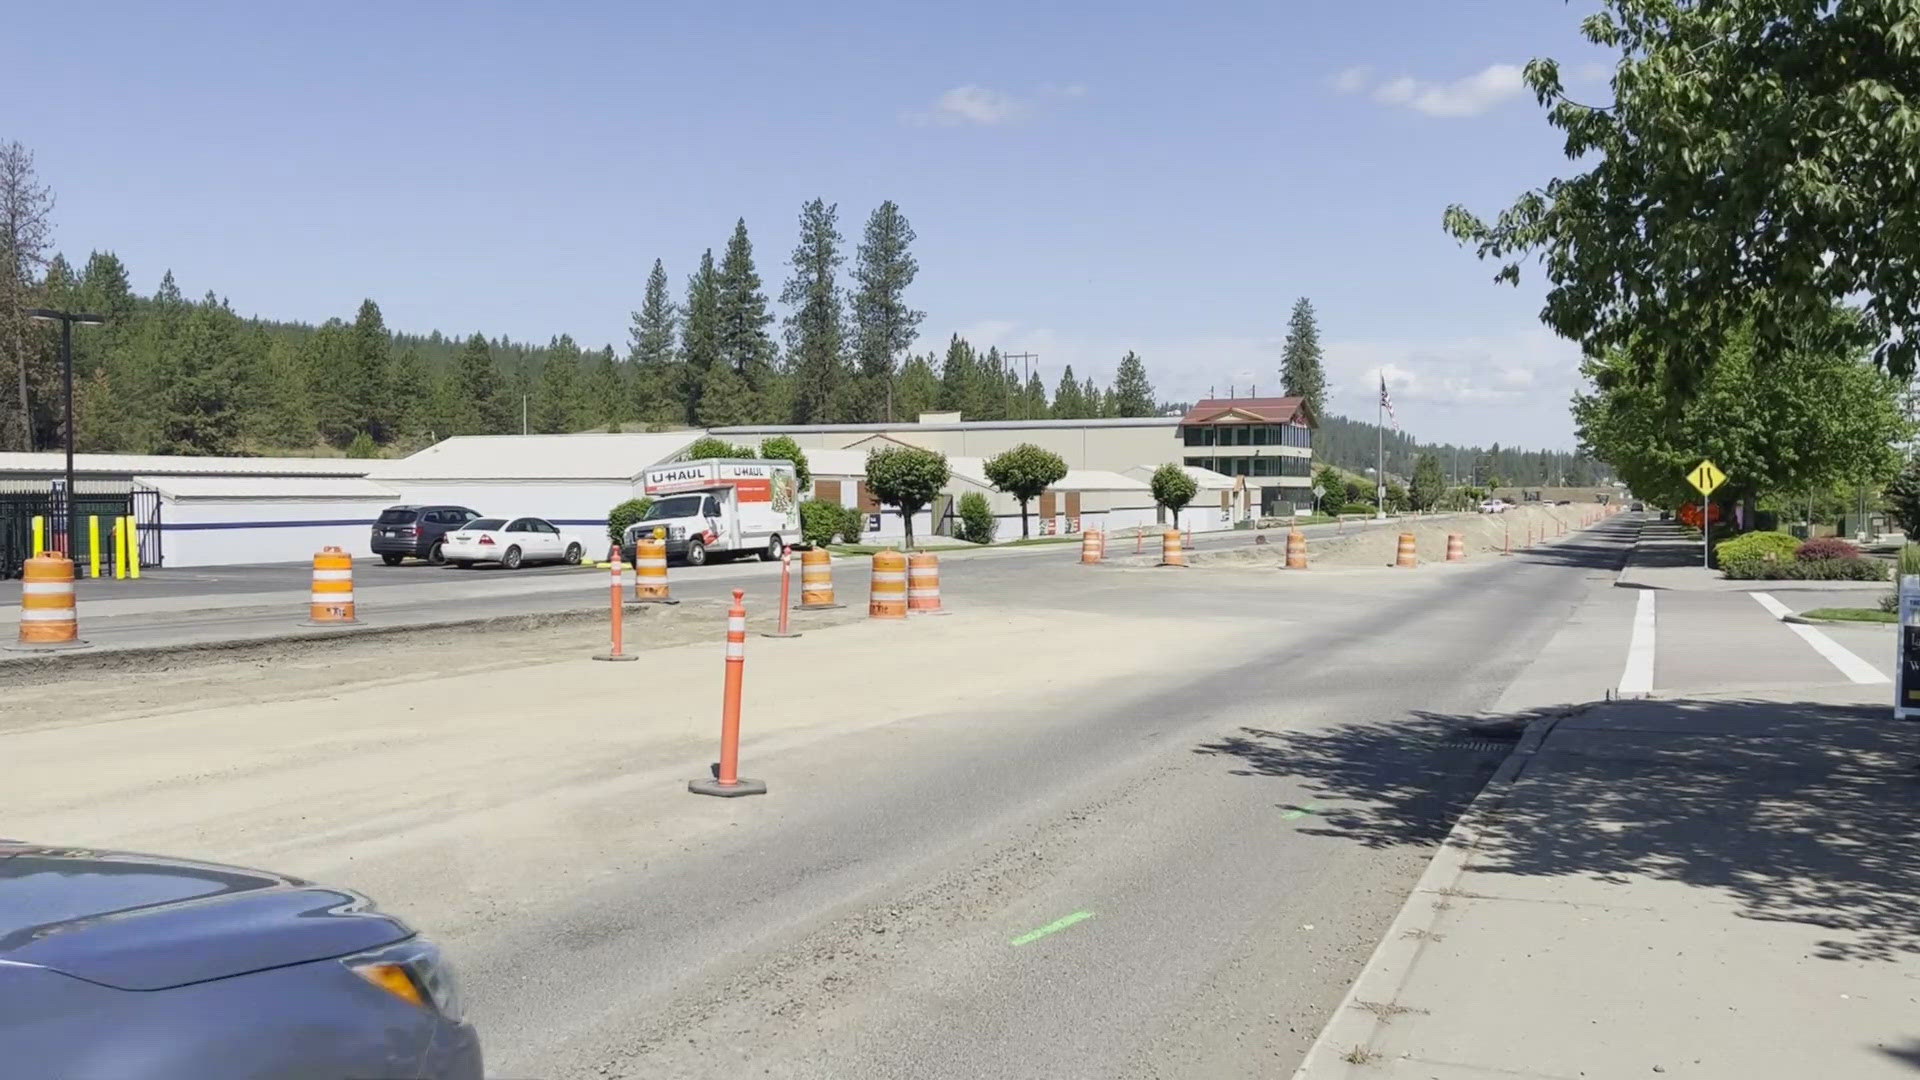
(725, 398)
(369, 391)
(884, 327)
(1302, 374)
(657, 382)
(407, 399)
(480, 397)
(607, 397)
(1132, 394)
(700, 334)
(816, 331)
(987, 395)
(25, 236)
(1094, 400)
(918, 388)
(742, 316)
(286, 418)
(957, 375)
(557, 395)
(1068, 402)
(199, 412)
(1034, 398)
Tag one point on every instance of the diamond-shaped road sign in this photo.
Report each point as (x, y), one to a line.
(1705, 477)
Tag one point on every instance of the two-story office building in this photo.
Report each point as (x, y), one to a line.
(1265, 444)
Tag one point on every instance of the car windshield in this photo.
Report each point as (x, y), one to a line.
(678, 506)
(398, 517)
(482, 524)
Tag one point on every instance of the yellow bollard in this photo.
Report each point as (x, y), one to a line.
(133, 548)
(39, 536)
(120, 549)
(93, 546)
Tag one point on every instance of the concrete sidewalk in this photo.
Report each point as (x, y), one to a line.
(1667, 557)
(1709, 888)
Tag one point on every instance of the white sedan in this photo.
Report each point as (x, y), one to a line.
(511, 542)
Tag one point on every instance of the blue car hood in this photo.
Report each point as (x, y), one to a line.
(140, 922)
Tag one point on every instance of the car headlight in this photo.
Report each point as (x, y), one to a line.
(414, 971)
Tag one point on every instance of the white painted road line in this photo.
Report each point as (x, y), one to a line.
(1837, 654)
(1638, 676)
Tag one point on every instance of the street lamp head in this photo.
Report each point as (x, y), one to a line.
(40, 314)
(90, 320)
(50, 315)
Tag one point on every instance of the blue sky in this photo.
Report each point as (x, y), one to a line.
(1084, 178)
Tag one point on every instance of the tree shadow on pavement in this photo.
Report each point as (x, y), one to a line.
(1806, 813)
(1908, 1055)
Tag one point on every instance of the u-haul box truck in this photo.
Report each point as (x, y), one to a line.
(720, 506)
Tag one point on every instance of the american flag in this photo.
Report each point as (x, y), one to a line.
(1386, 402)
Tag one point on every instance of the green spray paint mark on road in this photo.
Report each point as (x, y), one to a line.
(1296, 814)
(1053, 927)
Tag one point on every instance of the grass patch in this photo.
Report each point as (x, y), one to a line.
(1032, 540)
(1851, 614)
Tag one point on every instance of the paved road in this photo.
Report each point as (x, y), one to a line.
(879, 920)
(216, 604)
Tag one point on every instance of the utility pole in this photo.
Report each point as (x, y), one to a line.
(1026, 364)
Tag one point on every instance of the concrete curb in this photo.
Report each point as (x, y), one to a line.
(21, 669)
(1353, 1025)
(1804, 621)
(1620, 580)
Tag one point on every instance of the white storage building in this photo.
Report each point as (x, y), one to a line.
(571, 480)
(221, 520)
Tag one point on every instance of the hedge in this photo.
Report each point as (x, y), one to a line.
(1763, 546)
(1757, 569)
(1826, 547)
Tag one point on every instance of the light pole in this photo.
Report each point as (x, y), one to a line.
(66, 319)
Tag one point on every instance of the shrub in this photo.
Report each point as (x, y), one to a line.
(1757, 569)
(1359, 508)
(852, 522)
(1763, 546)
(820, 521)
(362, 446)
(783, 446)
(1826, 547)
(624, 515)
(976, 518)
(1890, 603)
(706, 446)
(1909, 559)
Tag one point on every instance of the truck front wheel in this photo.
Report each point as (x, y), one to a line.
(696, 553)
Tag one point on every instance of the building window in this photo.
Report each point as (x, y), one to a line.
(1200, 463)
(1262, 434)
(1266, 466)
(1191, 435)
(1243, 435)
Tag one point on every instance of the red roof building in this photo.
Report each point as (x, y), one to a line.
(1266, 443)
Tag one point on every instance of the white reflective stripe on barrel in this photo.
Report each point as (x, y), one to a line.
(736, 624)
(47, 588)
(46, 615)
(332, 598)
(888, 575)
(650, 563)
(736, 650)
(333, 575)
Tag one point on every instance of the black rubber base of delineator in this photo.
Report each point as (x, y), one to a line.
(776, 633)
(1172, 565)
(744, 786)
(50, 646)
(652, 600)
(621, 657)
(818, 607)
(328, 625)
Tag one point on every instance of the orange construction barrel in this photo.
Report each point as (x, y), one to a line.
(47, 618)
(816, 580)
(331, 602)
(1406, 556)
(887, 594)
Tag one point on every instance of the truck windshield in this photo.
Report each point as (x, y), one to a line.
(677, 506)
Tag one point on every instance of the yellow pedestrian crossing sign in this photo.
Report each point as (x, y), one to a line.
(1705, 477)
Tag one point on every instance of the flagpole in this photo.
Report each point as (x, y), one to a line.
(1380, 452)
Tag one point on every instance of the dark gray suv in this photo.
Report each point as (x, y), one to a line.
(115, 965)
(415, 531)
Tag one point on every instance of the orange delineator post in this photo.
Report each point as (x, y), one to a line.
(619, 609)
(816, 580)
(1092, 547)
(650, 572)
(1456, 547)
(1506, 540)
(1296, 550)
(923, 584)
(1406, 555)
(1139, 537)
(1171, 554)
(786, 591)
(47, 617)
(331, 603)
(887, 593)
(726, 781)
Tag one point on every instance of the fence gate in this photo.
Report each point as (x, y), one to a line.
(21, 503)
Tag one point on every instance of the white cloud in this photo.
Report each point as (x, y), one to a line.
(981, 106)
(1354, 79)
(1468, 96)
(975, 105)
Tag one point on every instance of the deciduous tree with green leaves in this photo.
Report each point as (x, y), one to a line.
(708, 446)
(783, 448)
(1173, 489)
(1428, 483)
(908, 478)
(1024, 472)
(1751, 167)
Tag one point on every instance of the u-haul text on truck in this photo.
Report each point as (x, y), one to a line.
(720, 506)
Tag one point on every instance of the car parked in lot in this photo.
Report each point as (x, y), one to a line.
(416, 532)
(512, 543)
(121, 965)
(1493, 506)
